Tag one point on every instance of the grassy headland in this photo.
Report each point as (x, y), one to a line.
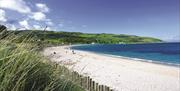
(87, 38)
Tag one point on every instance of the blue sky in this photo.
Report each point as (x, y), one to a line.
(153, 18)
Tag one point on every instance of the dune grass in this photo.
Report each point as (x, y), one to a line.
(23, 68)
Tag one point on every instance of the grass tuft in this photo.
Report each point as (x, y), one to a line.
(22, 68)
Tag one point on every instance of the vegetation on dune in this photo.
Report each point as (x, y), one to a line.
(85, 38)
(22, 68)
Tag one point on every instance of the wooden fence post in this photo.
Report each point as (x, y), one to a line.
(93, 86)
(107, 89)
(97, 89)
(102, 87)
(81, 80)
(88, 83)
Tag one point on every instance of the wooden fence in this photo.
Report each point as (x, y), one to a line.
(88, 84)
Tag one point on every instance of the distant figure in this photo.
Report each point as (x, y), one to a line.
(54, 52)
(73, 52)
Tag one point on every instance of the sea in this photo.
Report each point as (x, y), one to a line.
(161, 53)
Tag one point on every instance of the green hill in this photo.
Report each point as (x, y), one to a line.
(87, 38)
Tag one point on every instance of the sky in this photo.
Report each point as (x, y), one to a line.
(152, 18)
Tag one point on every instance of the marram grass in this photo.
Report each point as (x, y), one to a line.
(22, 68)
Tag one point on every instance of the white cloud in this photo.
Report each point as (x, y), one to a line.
(2, 16)
(49, 23)
(17, 5)
(11, 27)
(49, 29)
(24, 24)
(23, 7)
(39, 16)
(42, 7)
(37, 27)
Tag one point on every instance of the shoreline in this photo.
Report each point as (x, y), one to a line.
(118, 73)
(138, 59)
(129, 58)
(134, 59)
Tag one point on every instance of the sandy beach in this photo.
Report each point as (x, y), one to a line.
(118, 73)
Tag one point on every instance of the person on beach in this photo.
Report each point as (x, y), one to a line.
(73, 52)
(54, 52)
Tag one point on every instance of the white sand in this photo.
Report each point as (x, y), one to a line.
(118, 73)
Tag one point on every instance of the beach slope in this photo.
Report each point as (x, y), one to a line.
(118, 73)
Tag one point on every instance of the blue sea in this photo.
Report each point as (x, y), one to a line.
(164, 53)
